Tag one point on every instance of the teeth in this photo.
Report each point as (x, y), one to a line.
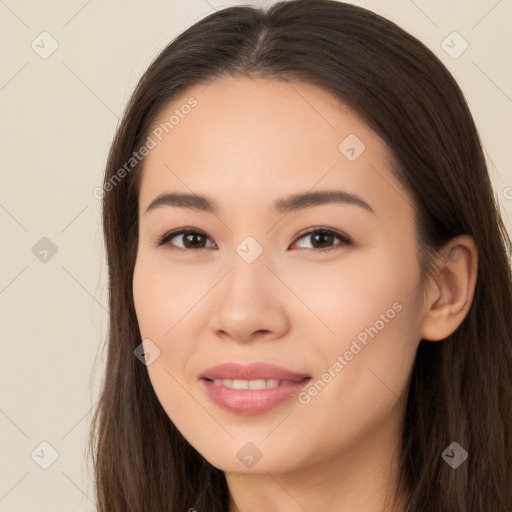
(257, 384)
(240, 384)
(251, 384)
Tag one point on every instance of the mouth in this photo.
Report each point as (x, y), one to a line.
(251, 389)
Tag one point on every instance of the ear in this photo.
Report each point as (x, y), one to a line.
(451, 289)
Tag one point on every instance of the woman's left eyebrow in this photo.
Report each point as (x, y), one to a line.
(318, 198)
(284, 205)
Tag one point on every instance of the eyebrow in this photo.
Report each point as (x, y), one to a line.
(283, 205)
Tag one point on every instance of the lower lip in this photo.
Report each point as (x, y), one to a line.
(252, 401)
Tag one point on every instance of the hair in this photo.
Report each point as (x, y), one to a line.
(460, 388)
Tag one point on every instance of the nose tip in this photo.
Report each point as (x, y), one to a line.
(248, 304)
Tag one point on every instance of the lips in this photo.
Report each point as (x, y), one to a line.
(251, 389)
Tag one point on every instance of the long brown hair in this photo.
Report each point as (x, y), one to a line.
(461, 388)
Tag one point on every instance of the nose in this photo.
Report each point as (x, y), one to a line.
(250, 303)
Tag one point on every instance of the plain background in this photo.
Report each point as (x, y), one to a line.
(58, 117)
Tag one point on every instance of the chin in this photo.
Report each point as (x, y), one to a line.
(250, 458)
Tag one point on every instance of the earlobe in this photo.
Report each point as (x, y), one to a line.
(452, 289)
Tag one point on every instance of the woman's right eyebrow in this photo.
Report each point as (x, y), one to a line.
(283, 205)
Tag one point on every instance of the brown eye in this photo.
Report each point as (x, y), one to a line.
(322, 239)
(190, 239)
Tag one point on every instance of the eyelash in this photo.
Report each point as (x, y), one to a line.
(167, 237)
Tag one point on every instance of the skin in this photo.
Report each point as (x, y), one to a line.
(246, 144)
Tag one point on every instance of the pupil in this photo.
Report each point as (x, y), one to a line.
(190, 236)
(323, 236)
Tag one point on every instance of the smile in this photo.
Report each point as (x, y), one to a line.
(253, 388)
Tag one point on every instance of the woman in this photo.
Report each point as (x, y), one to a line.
(310, 289)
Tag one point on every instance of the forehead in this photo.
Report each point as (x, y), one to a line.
(258, 138)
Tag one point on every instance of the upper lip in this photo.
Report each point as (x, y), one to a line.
(253, 371)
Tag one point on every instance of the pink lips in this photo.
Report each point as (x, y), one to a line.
(252, 401)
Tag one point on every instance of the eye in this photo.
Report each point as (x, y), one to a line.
(323, 236)
(194, 239)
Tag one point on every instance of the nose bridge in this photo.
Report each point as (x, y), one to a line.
(249, 270)
(247, 260)
(247, 301)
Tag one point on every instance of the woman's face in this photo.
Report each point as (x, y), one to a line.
(262, 282)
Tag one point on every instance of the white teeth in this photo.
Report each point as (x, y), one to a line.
(240, 384)
(251, 384)
(257, 384)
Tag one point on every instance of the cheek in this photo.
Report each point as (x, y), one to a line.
(162, 300)
(367, 363)
(161, 309)
(164, 296)
(367, 331)
(364, 379)
(340, 298)
(152, 302)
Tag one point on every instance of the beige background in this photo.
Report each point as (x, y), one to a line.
(58, 117)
